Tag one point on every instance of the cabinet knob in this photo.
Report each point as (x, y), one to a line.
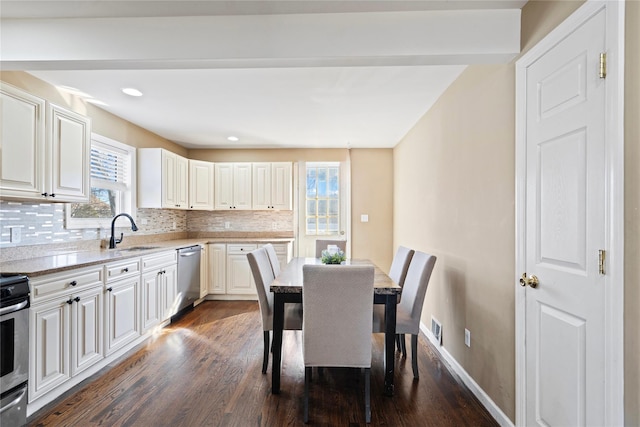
(109, 289)
(125, 270)
(73, 283)
(52, 195)
(70, 301)
(76, 299)
(45, 194)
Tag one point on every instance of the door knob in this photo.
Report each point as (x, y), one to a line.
(532, 281)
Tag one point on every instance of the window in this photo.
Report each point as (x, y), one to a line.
(112, 185)
(323, 199)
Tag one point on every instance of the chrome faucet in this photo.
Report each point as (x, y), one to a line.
(113, 241)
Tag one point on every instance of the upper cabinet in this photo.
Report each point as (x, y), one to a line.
(232, 186)
(157, 165)
(200, 185)
(272, 186)
(45, 149)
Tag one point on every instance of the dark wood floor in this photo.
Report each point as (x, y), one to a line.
(205, 370)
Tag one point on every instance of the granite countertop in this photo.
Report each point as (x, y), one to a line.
(60, 260)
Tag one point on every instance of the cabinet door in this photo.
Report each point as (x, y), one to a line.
(122, 313)
(204, 270)
(217, 268)
(261, 186)
(223, 185)
(182, 182)
(281, 186)
(242, 186)
(70, 135)
(240, 279)
(49, 345)
(169, 290)
(22, 141)
(200, 185)
(151, 301)
(86, 329)
(169, 170)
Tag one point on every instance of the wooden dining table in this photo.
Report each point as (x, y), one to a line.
(288, 288)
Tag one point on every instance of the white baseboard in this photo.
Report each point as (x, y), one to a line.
(458, 370)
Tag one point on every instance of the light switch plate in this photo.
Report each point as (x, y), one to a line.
(16, 234)
(364, 218)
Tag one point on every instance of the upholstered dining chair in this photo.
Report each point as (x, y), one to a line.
(410, 307)
(397, 273)
(273, 258)
(263, 276)
(321, 245)
(335, 296)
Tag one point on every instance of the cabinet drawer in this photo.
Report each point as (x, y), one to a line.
(158, 260)
(240, 248)
(55, 284)
(122, 269)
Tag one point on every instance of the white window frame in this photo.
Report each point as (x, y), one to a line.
(127, 203)
(340, 198)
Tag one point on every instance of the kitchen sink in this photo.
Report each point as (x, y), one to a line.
(138, 248)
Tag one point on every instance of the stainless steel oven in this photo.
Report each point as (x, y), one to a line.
(14, 349)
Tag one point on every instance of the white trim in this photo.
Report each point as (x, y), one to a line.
(614, 131)
(457, 369)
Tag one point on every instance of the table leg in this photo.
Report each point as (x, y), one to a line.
(390, 341)
(278, 325)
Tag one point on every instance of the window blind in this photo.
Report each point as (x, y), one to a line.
(109, 165)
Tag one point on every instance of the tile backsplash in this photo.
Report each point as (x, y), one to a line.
(44, 223)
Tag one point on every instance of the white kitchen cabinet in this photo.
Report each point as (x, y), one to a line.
(159, 281)
(122, 303)
(200, 185)
(232, 183)
(204, 270)
(65, 327)
(272, 186)
(45, 149)
(239, 277)
(163, 179)
(217, 268)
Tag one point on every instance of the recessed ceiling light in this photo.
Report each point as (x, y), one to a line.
(131, 91)
(232, 138)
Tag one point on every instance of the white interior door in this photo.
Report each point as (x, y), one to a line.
(564, 231)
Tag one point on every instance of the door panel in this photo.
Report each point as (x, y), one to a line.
(565, 228)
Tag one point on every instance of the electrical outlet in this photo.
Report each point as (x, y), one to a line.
(467, 337)
(274, 225)
(16, 234)
(227, 225)
(144, 221)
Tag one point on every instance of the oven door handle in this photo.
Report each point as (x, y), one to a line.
(14, 402)
(13, 308)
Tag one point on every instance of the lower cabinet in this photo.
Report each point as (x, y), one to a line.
(159, 288)
(239, 277)
(122, 313)
(65, 328)
(217, 268)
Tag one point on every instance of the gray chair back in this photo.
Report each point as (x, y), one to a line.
(263, 276)
(415, 288)
(321, 245)
(400, 264)
(273, 258)
(337, 315)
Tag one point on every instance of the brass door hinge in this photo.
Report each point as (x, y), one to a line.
(601, 259)
(603, 65)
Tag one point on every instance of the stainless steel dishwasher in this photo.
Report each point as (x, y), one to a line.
(188, 275)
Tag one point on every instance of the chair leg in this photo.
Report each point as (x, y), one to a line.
(404, 345)
(265, 356)
(367, 394)
(307, 380)
(414, 355)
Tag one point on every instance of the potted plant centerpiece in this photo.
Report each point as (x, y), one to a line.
(333, 257)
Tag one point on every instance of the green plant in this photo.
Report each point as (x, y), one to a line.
(332, 258)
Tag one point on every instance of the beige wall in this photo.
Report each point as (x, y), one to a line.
(632, 214)
(102, 122)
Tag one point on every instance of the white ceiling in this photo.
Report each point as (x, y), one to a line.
(272, 73)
